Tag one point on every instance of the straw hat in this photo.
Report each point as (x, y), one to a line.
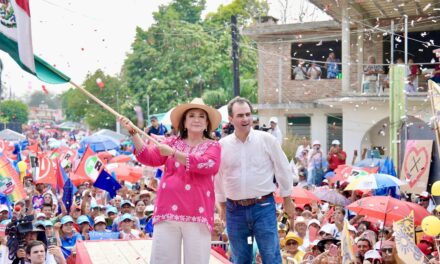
(214, 115)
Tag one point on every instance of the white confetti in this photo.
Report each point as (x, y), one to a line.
(426, 7)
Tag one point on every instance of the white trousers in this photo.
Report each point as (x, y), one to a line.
(167, 243)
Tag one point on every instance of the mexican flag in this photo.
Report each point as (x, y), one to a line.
(16, 40)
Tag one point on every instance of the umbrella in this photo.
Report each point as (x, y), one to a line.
(125, 172)
(387, 209)
(346, 173)
(99, 143)
(374, 181)
(331, 195)
(300, 195)
(115, 135)
(370, 163)
(121, 159)
(11, 135)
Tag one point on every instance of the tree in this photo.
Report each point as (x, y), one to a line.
(77, 106)
(37, 98)
(14, 111)
(184, 10)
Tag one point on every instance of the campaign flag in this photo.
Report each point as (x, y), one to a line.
(67, 158)
(404, 237)
(90, 166)
(16, 40)
(10, 184)
(346, 245)
(68, 189)
(106, 182)
(44, 170)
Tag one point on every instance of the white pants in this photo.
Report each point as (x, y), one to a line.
(167, 243)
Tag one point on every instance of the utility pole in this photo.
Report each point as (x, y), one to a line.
(235, 64)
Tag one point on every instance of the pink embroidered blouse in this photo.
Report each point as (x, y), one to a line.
(186, 191)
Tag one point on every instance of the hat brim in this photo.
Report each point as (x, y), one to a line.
(322, 242)
(214, 115)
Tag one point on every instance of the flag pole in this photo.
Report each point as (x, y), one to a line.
(112, 111)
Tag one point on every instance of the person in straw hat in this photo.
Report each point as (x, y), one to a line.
(184, 209)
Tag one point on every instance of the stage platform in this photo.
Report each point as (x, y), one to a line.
(123, 252)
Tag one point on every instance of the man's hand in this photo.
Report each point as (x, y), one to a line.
(223, 212)
(288, 206)
(56, 252)
(57, 227)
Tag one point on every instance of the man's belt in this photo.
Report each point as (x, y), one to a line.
(251, 201)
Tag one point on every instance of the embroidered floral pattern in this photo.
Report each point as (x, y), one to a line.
(187, 187)
(208, 193)
(174, 207)
(209, 164)
(182, 218)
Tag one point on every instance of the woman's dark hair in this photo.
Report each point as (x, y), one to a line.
(183, 133)
(137, 201)
(32, 244)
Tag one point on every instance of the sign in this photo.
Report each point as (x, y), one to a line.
(434, 92)
(416, 165)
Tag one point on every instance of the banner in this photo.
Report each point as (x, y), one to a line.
(346, 246)
(90, 166)
(44, 170)
(434, 92)
(416, 165)
(406, 248)
(10, 184)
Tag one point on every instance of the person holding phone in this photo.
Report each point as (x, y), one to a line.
(336, 156)
(291, 251)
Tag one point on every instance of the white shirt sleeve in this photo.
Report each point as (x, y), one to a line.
(282, 170)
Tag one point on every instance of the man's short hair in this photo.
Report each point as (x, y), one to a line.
(47, 205)
(366, 240)
(239, 100)
(34, 243)
(153, 118)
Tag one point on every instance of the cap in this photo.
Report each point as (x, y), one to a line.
(40, 215)
(328, 229)
(425, 194)
(47, 223)
(336, 142)
(316, 142)
(111, 209)
(273, 119)
(300, 219)
(425, 248)
(66, 219)
(428, 239)
(149, 208)
(313, 221)
(99, 219)
(144, 192)
(293, 236)
(82, 219)
(127, 202)
(352, 228)
(39, 224)
(372, 254)
(125, 217)
(4, 207)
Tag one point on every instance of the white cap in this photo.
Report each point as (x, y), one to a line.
(41, 215)
(4, 207)
(99, 219)
(300, 219)
(316, 142)
(273, 119)
(336, 142)
(352, 228)
(328, 228)
(372, 254)
(313, 221)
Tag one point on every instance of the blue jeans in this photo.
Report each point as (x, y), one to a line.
(245, 222)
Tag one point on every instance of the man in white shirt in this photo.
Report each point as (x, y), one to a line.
(244, 186)
(275, 130)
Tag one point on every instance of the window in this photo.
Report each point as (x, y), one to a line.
(298, 126)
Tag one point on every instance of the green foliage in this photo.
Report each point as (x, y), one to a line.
(14, 111)
(180, 58)
(78, 106)
(37, 98)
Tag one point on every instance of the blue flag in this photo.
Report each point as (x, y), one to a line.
(69, 190)
(106, 182)
(388, 168)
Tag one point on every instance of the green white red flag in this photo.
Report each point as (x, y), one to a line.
(16, 40)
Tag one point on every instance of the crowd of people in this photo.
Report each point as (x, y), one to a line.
(232, 195)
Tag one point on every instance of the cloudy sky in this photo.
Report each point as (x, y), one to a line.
(81, 36)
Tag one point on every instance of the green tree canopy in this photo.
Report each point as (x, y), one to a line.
(14, 111)
(78, 106)
(37, 98)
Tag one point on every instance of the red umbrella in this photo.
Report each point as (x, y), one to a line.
(125, 172)
(300, 195)
(120, 159)
(387, 209)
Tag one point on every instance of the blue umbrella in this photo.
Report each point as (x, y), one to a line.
(370, 163)
(99, 143)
